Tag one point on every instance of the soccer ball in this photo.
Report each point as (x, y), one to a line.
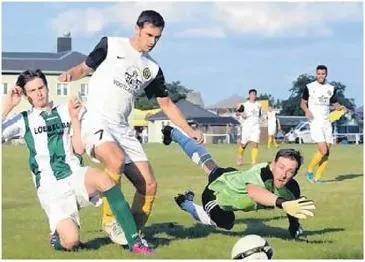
(252, 247)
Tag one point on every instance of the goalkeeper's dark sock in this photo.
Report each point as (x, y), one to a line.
(194, 151)
(122, 213)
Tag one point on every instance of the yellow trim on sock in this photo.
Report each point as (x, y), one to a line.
(106, 212)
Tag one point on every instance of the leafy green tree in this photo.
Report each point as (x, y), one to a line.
(176, 92)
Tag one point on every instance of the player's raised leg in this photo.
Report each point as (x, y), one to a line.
(200, 156)
(196, 152)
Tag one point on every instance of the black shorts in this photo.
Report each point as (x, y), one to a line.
(222, 218)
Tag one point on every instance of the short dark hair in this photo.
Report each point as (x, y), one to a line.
(152, 17)
(252, 90)
(292, 154)
(29, 75)
(321, 67)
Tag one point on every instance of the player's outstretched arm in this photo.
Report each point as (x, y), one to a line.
(299, 208)
(261, 195)
(177, 117)
(75, 73)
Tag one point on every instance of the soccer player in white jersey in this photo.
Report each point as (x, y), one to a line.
(316, 100)
(273, 125)
(121, 68)
(52, 134)
(249, 114)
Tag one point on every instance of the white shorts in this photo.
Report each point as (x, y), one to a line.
(271, 130)
(321, 132)
(95, 131)
(250, 133)
(63, 199)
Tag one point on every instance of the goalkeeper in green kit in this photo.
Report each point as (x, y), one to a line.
(265, 185)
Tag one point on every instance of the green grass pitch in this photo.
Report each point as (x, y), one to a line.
(336, 231)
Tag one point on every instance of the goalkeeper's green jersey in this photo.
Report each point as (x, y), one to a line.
(231, 192)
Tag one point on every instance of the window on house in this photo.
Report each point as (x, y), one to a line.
(62, 89)
(5, 88)
(84, 90)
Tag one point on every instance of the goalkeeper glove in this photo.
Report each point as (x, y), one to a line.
(299, 208)
(337, 114)
(295, 231)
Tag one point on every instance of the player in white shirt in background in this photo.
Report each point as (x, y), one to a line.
(52, 135)
(249, 114)
(316, 101)
(122, 67)
(273, 125)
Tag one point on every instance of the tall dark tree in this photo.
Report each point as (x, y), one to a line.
(176, 92)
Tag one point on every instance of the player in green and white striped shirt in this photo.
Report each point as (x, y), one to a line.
(52, 135)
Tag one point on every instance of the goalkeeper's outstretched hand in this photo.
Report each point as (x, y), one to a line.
(299, 208)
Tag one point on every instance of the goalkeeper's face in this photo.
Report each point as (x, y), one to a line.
(283, 170)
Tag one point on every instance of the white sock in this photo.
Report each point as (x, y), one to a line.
(197, 212)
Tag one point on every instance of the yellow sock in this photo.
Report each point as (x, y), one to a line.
(107, 213)
(322, 166)
(254, 153)
(141, 208)
(269, 142)
(241, 151)
(274, 141)
(317, 157)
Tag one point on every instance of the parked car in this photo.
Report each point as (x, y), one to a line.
(299, 134)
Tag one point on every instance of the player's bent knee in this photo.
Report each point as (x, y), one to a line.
(70, 244)
(151, 187)
(223, 219)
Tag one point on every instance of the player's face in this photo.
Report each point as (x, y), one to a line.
(37, 93)
(321, 75)
(283, 170)
(148, 36)
(252, 96)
